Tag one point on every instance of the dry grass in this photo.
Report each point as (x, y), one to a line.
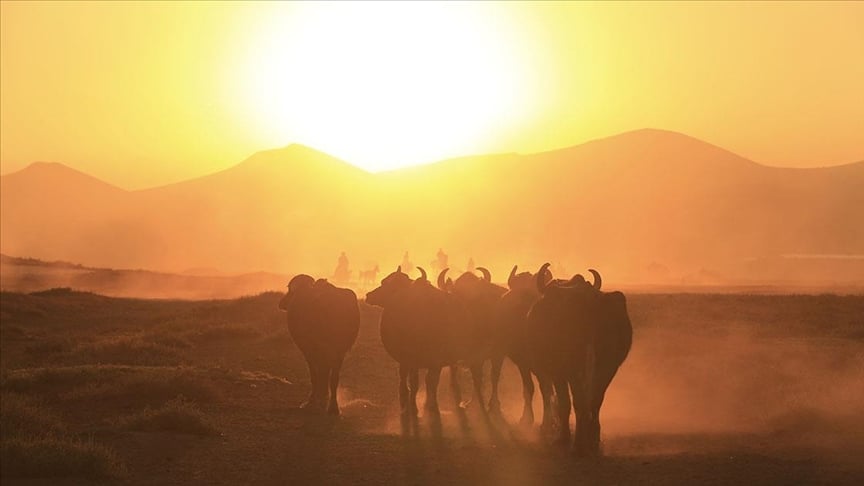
(57, 456)
(135, 385)
(127, 350)
(21, 416)
(36, 443)
(178, 415)
(149, 386)
(56, 381)
(188, 330)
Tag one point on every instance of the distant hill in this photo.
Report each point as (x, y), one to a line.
(32, 275)
(629, 205)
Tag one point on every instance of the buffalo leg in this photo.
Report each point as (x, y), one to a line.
(413, 385)
(455, 389)
(317, 395)
(333, 405)
(313, 380)
(527, 419)
(546, 393)
(562, 394)
(584, 402)
(403, 389)
(494, 401)
(433, 376)
(584, 419)
(477, 378)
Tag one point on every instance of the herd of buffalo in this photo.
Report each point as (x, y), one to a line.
(568, 333)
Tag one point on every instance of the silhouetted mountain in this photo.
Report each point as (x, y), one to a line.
(625, 204)
(50, 210)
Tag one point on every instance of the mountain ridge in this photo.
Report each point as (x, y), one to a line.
(298, 149)
(622, 203)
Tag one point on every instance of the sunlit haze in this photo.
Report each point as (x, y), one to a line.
(141, 94)
(431, 242)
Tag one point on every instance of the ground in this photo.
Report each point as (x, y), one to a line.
(719, 389)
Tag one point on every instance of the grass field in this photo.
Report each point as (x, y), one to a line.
(720, 389)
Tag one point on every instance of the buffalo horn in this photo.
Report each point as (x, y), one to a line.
(541, 276)
(442, 282)
(597, 280)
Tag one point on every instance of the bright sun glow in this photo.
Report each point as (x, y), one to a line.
(385, 85)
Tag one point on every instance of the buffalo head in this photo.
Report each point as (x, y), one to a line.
(390, 285)
(545, 282)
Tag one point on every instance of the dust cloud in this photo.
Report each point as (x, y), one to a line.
(718, 372)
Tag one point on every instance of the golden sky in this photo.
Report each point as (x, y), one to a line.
(141, 94)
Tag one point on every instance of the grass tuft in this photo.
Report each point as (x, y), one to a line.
(128, 350)
(126, 385)
(57, 456)
(178, 415)
(21, 415)
(148, 386)
(36, 443)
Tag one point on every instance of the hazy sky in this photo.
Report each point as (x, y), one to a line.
(141, 94)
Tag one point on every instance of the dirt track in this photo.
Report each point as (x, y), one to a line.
(773, 405)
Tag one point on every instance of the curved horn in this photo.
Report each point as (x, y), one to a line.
(541, 275)
(442, 282)
(512, 275)
(597, 280)
(487, 275)
(422, 273)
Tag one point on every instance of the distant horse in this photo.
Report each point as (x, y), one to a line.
(368, 277)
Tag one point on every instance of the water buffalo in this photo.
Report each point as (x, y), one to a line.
(480, 297)
(421, 328)
(514, 328)
(324, 321)
(579, 337)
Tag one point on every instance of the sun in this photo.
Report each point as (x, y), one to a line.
(384, 85)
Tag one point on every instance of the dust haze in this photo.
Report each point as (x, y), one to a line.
(645, 207)
(723, 372)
